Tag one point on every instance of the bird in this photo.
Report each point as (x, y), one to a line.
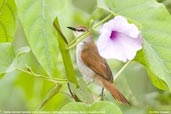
(93, 66)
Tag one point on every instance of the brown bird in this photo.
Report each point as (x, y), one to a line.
(93, 66)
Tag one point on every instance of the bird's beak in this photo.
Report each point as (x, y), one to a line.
(72, 28)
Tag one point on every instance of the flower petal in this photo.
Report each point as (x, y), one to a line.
(110, 51)
(121, 25)
(129, 46)
(118, 39)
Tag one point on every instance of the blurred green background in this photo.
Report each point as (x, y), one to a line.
(21, 91)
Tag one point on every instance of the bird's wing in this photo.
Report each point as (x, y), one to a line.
(98, 64)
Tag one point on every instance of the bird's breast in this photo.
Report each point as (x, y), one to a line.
(84, 69)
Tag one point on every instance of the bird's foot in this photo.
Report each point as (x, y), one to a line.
(102, 96)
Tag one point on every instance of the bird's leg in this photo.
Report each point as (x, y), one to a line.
(102, 94)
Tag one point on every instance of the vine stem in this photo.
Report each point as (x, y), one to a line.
(60, 81)
(121, 70)
(75, 41)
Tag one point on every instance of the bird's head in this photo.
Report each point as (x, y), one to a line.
(78, 30)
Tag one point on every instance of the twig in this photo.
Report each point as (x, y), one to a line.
(72, 94)
(121, 70)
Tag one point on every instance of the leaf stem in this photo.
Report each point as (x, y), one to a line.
(121, 70)
(54, 80)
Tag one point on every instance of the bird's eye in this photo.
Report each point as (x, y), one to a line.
(81, 30)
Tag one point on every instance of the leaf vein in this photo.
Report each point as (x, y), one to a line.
(44, 31)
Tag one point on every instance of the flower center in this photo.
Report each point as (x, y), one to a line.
(113, 35)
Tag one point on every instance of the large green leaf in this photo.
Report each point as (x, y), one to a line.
(37, 19)
(101, 107)
(7, 20)
(155, 24)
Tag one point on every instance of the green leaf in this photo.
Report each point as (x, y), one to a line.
(101, 107)
(65, 54)
(155, 23)
(6, 57)
(37, 19)
(157, 81)
(55, 90)
(7, 20)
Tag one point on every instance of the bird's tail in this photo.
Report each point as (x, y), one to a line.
(114, 91)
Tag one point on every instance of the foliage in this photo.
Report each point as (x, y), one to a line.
(7, 20)
(37, 62)
(108, 108)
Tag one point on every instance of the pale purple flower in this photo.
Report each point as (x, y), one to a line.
(119, 39)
